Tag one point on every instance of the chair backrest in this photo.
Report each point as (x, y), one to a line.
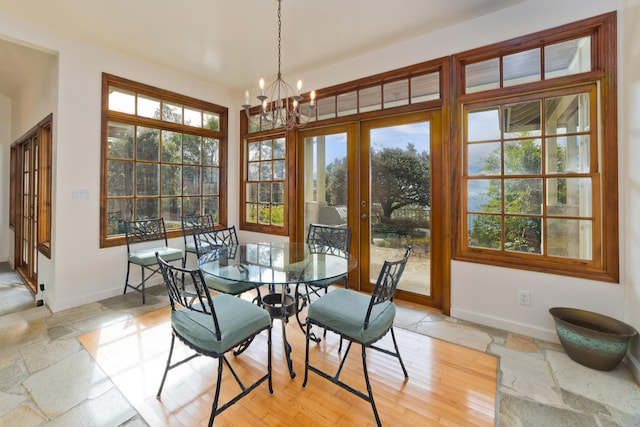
(330, 237)
(208, 240)
(191, 223)
(195, 296)
(387, 282)
(145, 230)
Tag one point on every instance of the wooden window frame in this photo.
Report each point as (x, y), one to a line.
(45, 162)
(602, 30)
(132, 119)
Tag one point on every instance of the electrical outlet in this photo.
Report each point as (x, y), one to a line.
(524, 297)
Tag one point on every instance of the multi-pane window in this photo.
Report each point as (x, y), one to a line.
(537, 148)
(162, 157)
(264, 178)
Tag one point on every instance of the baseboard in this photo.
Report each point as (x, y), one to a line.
(88, 299)
(506, 324)
(634, 365)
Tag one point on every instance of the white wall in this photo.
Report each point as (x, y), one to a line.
(5, 143)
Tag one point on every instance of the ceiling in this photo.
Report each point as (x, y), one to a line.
(233, 43)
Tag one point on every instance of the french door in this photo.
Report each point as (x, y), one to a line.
(383, 179)
(26, 246)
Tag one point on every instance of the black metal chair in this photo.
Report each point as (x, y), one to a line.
(359, 318)
(191, 223)
(212, 326)
(325, 239)
(140, 251)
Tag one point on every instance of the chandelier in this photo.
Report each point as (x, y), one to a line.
(280, 104)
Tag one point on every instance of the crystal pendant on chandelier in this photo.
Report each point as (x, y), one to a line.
(280, 104)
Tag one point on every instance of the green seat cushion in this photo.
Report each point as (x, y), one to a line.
(190, 247)
(344, 310)
(148, 256)
(238, 320)
(327, 282)
(227, 286)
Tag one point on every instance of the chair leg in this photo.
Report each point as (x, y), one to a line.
(306, 356)
(214, 407)
(166, 369)
(142, 285)
(366, 379)
(395, 345)
(126, 280)
(269, 360)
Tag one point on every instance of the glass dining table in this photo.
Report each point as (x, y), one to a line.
(280, 266)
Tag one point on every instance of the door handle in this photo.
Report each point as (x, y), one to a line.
(364, 216)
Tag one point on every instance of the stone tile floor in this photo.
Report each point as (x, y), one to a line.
(48, 379)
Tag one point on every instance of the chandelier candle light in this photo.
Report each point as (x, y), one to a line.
(280, 103)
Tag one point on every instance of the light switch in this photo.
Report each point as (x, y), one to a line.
(81, 194)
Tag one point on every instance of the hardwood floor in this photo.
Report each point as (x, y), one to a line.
(448, 385)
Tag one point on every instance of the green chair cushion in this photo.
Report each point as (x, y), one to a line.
(190, 247)
(227, 286)
(148, 256)
(344, 310)
(238, 320)
(327, 282)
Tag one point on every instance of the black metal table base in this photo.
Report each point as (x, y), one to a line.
(282, 306)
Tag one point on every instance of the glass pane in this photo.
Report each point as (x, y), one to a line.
(120, 141)
(264, 192)
(254, 151)
(484, 195)
(191, 205)
(171, 112)
(148, 107)
(211, 181)
(265, 150)
(395, 93)
(266, 171)
(522, 234)
(191, 149)
(571, 238)
(212, 207)
(326, 108)
(118, 210)
(148, 144)
(251, 214)
(279, 170)
(370, 99)
(210, 120)
(277, 192)
(569, 197)
(253, 174)
(522, 119)
(347, 103)
(211, 152)
(119, 178)
(147, 179)
(192, 117)
(252, 192)
(191, 180)
(172, 212)
(171, 180)
(523, 195)
(567, 114)
(483, 124)
(485, 231)
(122, 101)
(523, 157)
(171, 146)
(568, 154)
(483, 75)
(484, 159)
(264, 214)
(308, 114)
(277, 215)
(279, 148)
(425, 87)
(521, 67)
(147, 208)
(570, 57)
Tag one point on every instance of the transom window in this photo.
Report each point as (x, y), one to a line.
(163, 156)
